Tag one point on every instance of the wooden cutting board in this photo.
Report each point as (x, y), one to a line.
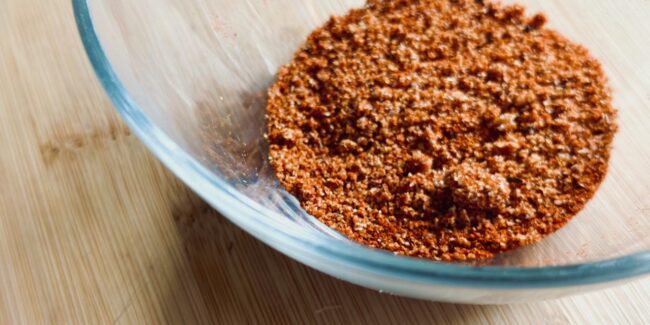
(94, 230)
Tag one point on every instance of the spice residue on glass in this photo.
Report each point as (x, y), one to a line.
(449, 130)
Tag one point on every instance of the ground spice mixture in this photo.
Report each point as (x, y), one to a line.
(450, 130)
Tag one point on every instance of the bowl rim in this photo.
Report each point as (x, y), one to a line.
(284, 237)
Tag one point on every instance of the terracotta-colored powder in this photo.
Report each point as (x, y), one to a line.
(450, 130)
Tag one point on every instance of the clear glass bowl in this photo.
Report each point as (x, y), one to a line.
(189, 77)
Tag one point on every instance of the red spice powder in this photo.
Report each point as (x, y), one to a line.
(449, 130)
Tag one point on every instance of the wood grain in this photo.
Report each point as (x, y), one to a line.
(93, 230)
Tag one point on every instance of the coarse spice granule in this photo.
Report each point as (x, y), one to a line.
(449, 130)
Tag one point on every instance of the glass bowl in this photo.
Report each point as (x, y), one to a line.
(190, 77)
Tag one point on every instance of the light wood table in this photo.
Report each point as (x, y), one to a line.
(94, 230)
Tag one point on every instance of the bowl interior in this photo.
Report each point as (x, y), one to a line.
(199, 70)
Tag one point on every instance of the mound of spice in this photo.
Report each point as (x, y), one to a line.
(449, 130)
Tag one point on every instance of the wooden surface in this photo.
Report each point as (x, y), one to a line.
(93, 230)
